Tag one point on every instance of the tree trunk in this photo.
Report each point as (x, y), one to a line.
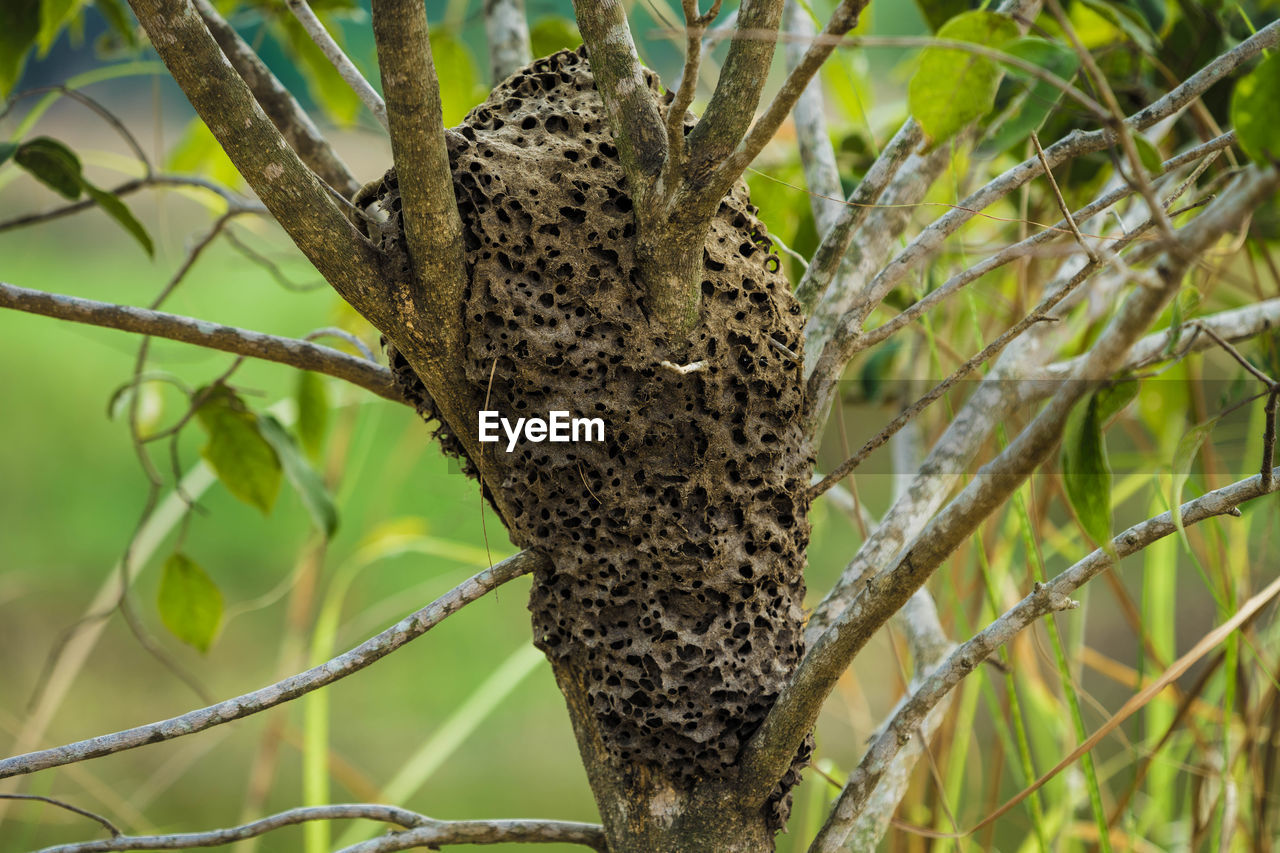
(673, 614)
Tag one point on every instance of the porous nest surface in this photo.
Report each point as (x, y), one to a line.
(678, 541)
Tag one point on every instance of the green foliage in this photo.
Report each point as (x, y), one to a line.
(952, 87)
(459, 84)
(190, 602)
(1128, 19)
(311, 489)
(246, 463)
(1183, 457)
(324, 83)
(57, 167)
(19, 25)
(1253, 111)
(117, 14)
(1034, 99)
(54, 16)
(198, 153)
(1086, 472)
(311, 396)
(553, 33)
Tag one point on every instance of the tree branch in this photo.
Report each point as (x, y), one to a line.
(769, 753)
(507, 29)
(295, 353)
(817, 155)
(487, 832)
(335, 669)
(53, 801)
(843, 19)
(290, 190)
(432, 225)
(279, 105)
(234, 201)
(1045, 599)
(422, 831)
(930, 240)
(628, 101)
(346, 69)
(733, 104)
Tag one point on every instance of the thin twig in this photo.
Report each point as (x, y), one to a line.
(1062, 202)
(335, 669)
(62, 804)
(346, 69)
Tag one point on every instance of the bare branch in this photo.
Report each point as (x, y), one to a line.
(1045, 599)
(432, 225)
(817, 154)
(769, 753)
(217, 837)
(695, 24)
(1235, 325)
(53, 801)
(335, 669)
(279, 105)
(346, 69)
(507, 28)
(295, 353)
(737, 94)
(234, 202)
(837, 238)
(298, 200)
(628, 100)
(843, 19)
(487, 832)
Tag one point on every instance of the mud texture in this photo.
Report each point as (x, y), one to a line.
(678, 542)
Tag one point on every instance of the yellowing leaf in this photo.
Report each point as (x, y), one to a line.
(190, 603)
(953, 87)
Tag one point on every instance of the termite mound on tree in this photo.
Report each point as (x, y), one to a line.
(678, 542)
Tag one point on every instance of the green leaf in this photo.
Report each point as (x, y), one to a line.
(1127, 20)
(325, 84)
(1086, 473)
(117, 210)
(1183, 457)
(7, 150)
(237, 451)
(1114, 398)
(312, 399)
(54, 15)
(1148, 154)
(19, 24)
(1252, 111)
(198, 153)
(190, 602)
(936, 13)
(952, 87)
(53, 164)
(315, 497)
(117, 15)
(1037, 99)
(553, 33)
(457, 73)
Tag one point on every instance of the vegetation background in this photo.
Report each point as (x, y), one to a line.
(468, 723)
